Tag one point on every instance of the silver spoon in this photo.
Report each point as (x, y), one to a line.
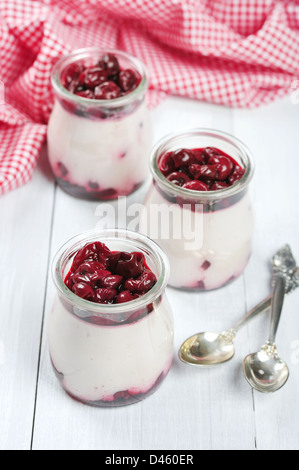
(208, 348)
(264, 370)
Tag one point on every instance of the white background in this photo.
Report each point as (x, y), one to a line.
(194, 408)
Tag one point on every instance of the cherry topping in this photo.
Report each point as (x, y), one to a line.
(124, 296)
(130, 265)
(71, 74)
(105, 80)
(105, 295)
(196, 186)
(112, 281)
(111, 64)
(127, 80)
(166, 164)
(85, 94)
(206, 169)
(200, 156)
(178, 178)
(102, 276)
(92, 77)
(224, 166)
(182, 158)
(107, 91)
(83, 290)
(204, 172)
(142, 284)
(236, 175)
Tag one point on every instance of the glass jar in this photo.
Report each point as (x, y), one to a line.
(115, 354)
(99, 148)
(207, 235)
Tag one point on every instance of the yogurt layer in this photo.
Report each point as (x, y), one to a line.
(207, 252)
(97, 363)
(100, 154)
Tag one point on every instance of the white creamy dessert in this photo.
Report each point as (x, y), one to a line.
(225, 241)
(98, 362)
(99, 132)
(100, 155)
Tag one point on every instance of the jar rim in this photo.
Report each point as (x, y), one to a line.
(80, 54)
(79, 241)
(194, 194)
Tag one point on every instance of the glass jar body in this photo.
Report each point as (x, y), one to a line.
(99, 149)
(207, 236)
(112, 355)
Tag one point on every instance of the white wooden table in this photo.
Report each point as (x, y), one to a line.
(194, 408)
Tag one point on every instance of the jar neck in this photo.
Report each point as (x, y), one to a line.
(125, 240)
(199, 138)
(89, 107)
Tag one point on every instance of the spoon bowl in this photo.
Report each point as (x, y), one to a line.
(265, 371)
(207, 349)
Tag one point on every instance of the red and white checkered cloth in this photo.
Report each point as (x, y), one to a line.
(239, 53)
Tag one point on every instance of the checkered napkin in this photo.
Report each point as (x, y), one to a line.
(239, 53)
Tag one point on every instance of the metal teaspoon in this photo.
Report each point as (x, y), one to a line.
(209, 348)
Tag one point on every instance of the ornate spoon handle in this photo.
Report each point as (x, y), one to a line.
(277, 304)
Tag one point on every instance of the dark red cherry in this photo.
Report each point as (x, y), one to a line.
(98, 276)
(96, 251)
(196, 185)
(224, 166)
(110, 63)
(113, 260)
(166, 164)
(236, 175)
(130, 265)
(142, 284)
(83, 290)
(90, 267)
(93, 77)
(200, 156)
(105, 295)
(107, 91)
(127, 80)
(124, 296)
(178, 178)
(147, 281)
(183, 158)
(209, 152)
(71, 74)
(113, 281)
(85, 94)
(203, 171)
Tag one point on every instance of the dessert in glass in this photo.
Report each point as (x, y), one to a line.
(198, 208)
(111, 327)
(99, 132)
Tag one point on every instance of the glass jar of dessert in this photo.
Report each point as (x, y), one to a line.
(111, 327)
(198, 208)
(99, 132)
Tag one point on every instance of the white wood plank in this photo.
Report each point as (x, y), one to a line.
(24, 246)
(193, 408)
(272, 133)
